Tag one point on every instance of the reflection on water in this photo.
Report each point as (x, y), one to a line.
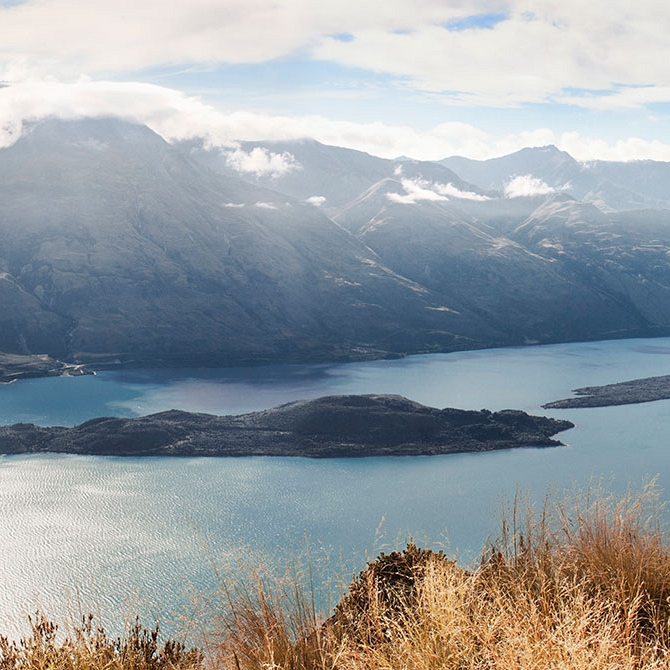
(126, 535)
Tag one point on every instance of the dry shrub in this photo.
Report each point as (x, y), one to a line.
(90, 648)
(384, 593)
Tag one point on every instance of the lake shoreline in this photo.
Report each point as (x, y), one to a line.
(14, 367)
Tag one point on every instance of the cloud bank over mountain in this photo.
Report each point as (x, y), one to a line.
(426, 78)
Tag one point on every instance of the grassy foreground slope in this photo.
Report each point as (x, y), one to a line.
(579, 586)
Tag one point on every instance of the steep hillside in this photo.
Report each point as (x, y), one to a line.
(116, 246)
(516, 288)
(623, 255)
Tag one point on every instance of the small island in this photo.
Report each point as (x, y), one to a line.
(330, 427)
(623, 393)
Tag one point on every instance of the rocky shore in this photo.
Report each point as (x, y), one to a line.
(329, 427)
(17, 366)
(623, 393)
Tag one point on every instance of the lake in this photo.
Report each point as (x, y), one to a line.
(118, 536)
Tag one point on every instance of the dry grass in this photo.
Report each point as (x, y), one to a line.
(585, 585)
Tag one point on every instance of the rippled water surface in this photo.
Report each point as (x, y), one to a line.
(124, 535)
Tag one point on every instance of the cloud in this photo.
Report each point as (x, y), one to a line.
(526, 185)
(316, 200)
(261, 162)
(420, 189)
(416, 190)
(484, 52)
(170, 113)
(533, 52)
(128, 36)
(627, 149)
(234, 205)
(266, 205)
(452, 191)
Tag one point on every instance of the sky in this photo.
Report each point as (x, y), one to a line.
(425, 79)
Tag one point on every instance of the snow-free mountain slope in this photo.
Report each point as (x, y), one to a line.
(529, 295)
(137, 253)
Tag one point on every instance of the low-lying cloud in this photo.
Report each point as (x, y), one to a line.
(417, 190)
(261, 162)
(526, 185)
(177, 116)
(452, 191)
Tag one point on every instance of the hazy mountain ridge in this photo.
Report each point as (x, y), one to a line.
(116, 246)
(307, 169)
(612, 186)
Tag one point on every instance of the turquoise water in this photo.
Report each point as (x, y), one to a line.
(124, 535)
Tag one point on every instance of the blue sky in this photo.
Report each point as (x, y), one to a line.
(423, 78)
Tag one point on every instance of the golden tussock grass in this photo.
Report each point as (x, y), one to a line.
(580, 585)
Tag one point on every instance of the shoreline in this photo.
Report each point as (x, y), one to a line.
(14, 367)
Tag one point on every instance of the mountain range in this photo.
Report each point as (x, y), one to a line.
(117, 247)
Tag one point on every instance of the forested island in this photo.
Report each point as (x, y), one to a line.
(334, 426)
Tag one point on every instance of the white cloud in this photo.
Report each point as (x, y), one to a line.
(420, 189)
(129, 36)
(266, 205)
(261, 162)
(526, 185)
(316, 200)
(452, 191)
(537, 52)
(627, 149)
(533, 52)
(234, 205)
(416, 190)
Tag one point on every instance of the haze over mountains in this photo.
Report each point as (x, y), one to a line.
(116, 247)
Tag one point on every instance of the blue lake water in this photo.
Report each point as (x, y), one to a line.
(119, 536)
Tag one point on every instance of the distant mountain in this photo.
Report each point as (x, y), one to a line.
(116, 246)
(609, 185)
(307, 170)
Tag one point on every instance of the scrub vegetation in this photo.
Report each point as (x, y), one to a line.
(579, 584)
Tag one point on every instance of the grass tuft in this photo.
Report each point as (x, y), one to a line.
(90, 648)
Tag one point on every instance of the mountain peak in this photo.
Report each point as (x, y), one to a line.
(88, 132)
